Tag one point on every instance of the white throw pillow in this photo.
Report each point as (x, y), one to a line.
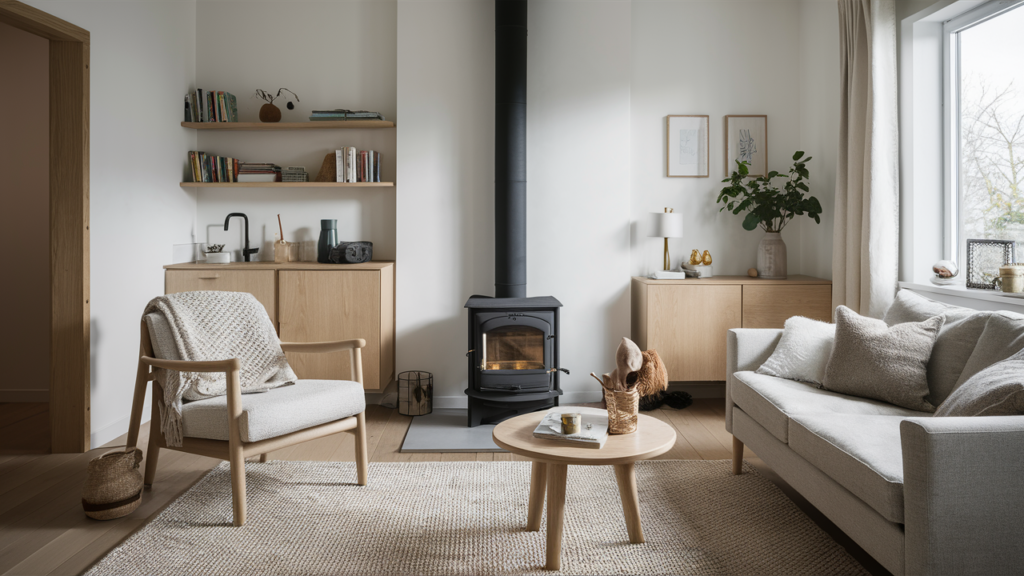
(803, 351)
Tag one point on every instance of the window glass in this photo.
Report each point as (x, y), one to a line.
(990, 87)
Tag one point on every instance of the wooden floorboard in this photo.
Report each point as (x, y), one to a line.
(44, 531)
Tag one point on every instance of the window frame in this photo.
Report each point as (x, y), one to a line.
(954, 247)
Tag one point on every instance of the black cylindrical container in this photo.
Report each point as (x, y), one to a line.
(328, 240)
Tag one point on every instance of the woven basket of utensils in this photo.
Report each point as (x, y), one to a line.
(623, 407)
(113, 485)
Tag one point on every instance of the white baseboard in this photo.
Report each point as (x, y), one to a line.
(24, 395)
(567, 398)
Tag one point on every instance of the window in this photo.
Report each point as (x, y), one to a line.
(984, 53)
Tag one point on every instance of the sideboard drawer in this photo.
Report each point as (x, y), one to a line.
(769, 306)
(260, 283)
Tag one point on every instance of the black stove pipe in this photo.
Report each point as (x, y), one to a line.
(510, 149)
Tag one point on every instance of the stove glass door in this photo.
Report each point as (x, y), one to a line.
(513, 347)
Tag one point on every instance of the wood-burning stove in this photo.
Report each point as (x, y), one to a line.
(513, 357)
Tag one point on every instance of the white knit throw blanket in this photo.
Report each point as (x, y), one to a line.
(217, 326)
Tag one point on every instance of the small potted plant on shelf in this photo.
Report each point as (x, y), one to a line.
(269, 112)
(770, 207)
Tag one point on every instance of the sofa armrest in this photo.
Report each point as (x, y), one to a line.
(963, 490)
(746, 349)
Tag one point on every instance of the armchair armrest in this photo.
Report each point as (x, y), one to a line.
(229, 365)
(963, 485)
(321, 347)
(746, 349)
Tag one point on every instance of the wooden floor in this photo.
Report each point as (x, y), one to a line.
(44, 531)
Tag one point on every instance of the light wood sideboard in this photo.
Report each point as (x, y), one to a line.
(686, 321)
(312, 302)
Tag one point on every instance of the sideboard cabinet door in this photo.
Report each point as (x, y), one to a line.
(259, 283)
(687, 325)
(769, 306)
(319, 306)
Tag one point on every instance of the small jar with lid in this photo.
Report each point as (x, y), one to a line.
(1011, 278)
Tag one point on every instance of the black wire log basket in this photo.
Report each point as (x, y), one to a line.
(415, 393)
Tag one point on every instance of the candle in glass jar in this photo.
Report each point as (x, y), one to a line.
(571, 423)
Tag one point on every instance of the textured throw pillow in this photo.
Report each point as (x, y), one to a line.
(995, 391)
(1002, 338)
(803, 351)
(872, 360)
(954, 345)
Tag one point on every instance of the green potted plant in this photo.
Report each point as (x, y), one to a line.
(770, 207)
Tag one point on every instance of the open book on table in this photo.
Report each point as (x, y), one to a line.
(593, 429)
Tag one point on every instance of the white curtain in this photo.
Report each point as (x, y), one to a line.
(866, 244)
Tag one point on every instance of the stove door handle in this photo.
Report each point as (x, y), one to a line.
(566, 370)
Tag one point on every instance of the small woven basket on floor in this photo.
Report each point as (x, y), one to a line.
(113, 485)
(623, 408)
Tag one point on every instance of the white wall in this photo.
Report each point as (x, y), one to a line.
(818, 97)
(717, 58)
(142, 62)
(333, 55)
(578, 177)
(445, 204)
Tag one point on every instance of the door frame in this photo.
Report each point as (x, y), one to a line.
(69, 222)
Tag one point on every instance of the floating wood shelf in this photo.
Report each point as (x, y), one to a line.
(311, 125)
(287, 184)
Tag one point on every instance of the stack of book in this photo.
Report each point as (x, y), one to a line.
(357, 165)
(209, 168)
(210, 106)
(294, 174)
(259, 172)
(341, 114)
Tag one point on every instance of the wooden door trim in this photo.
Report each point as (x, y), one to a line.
(70, 425)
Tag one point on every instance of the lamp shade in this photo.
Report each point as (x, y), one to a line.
(665, 225)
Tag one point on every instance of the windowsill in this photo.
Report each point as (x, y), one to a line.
(961, 291)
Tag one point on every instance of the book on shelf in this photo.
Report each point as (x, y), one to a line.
(211, 168)
(354, 165)
(259, 172)
(342, 114)
(210, 106)
(594, 436)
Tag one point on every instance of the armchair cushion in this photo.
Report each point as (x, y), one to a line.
(275, 412)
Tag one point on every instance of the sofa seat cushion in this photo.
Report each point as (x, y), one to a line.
(770, 401)
(861, 452)
(275, 412)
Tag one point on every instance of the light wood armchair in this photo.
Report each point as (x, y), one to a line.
(235, 450)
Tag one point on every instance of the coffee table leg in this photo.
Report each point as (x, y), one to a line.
(625, 474)
(556, 512)
(538, 484)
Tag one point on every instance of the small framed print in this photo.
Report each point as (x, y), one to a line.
(746, 140)
(686, 147)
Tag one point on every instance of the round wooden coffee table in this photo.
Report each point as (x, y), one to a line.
(550, 465)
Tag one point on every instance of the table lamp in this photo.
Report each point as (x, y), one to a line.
(665, 225)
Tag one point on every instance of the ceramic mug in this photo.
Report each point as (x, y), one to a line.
(1011, 284)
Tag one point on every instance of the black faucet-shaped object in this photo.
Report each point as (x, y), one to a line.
(246, 252)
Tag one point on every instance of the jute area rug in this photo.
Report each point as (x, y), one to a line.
(470, 517)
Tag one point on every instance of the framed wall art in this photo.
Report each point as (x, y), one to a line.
(746, 139)
(686, 147)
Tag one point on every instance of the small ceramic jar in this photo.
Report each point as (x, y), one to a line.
(1011, 278)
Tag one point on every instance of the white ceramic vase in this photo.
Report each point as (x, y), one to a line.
(771, 257)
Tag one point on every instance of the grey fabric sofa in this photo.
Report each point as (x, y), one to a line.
(921, 494)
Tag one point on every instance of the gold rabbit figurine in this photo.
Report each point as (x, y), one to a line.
(695, 258)
(706, 259)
